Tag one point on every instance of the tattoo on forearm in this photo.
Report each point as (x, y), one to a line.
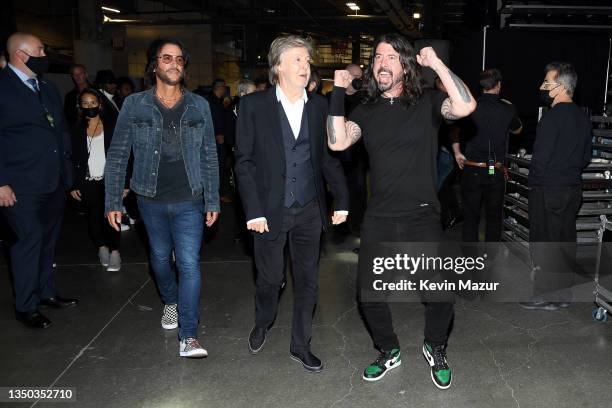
(447, 110)
(465, 95)
(331, 132)
(353, 132)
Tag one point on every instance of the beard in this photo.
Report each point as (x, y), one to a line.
(392, 83)
(163, 76)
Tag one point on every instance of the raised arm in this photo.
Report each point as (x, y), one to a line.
(460, 102)
(341, 133)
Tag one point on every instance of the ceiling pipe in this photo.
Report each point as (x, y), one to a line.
(402, 14)
(393, 16)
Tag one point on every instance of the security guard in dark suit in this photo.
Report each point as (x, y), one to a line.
(35, 173)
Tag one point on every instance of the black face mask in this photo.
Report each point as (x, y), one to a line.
(545, 96)
(91, 112)
(357, 83)
(38, 65)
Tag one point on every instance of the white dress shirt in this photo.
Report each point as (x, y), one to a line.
(294, 112)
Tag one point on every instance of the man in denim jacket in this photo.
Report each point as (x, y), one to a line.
(175, 177)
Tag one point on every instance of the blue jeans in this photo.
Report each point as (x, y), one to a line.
(445, 165)
(177, 226)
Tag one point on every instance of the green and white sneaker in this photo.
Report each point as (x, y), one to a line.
(387, 360)
(440, 371)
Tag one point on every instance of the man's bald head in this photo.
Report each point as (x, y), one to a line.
(355, 70)
(27, 43)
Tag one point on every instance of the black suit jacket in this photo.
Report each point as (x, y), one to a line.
(34, 157)
(260, 158)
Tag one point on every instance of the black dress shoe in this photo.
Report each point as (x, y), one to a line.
(308, 360)
(58, 302)
(34, 320)
(257, 338)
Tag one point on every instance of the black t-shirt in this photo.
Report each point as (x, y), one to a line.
(492, 119)
(402, 143)
(172, 181)
(354, 100)
(562, 147)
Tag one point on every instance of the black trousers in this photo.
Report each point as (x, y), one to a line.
(224, 170)
(100, 231)
(356, 170)
(36, 221)
(552, 236)
(422, 226)
(301, 228)
(478, 187)
(448, 199)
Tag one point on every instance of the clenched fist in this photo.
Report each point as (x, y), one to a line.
(342, 78)
(427, 57)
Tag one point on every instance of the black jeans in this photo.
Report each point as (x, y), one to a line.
(552, 234)
(422, 226)
(477, 186)
(301, 227)
(102, 234)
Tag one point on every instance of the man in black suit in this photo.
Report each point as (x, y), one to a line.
(35, 172)
(281, 163)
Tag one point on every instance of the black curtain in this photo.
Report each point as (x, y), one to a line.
(522, 55)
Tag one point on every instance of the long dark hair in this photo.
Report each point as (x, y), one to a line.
(413, 88)
(153, 52)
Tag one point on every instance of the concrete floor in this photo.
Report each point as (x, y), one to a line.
(112, 350)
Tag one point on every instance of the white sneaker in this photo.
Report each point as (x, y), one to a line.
(114, 263)
(190, 347)
(169, 319)
(104, 256)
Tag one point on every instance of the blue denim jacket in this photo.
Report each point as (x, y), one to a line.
(139, 127)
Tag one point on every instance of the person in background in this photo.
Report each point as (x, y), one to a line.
(218, 112)
(245, 87)
(483, 179)
(314, 82)
(561, 150)
(125, 87)
(90, 142)
(447, 170)
(78, 74)
(107, 85)
(261, 84)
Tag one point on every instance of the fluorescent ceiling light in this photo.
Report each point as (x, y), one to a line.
(110, 9)
(107, 19)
